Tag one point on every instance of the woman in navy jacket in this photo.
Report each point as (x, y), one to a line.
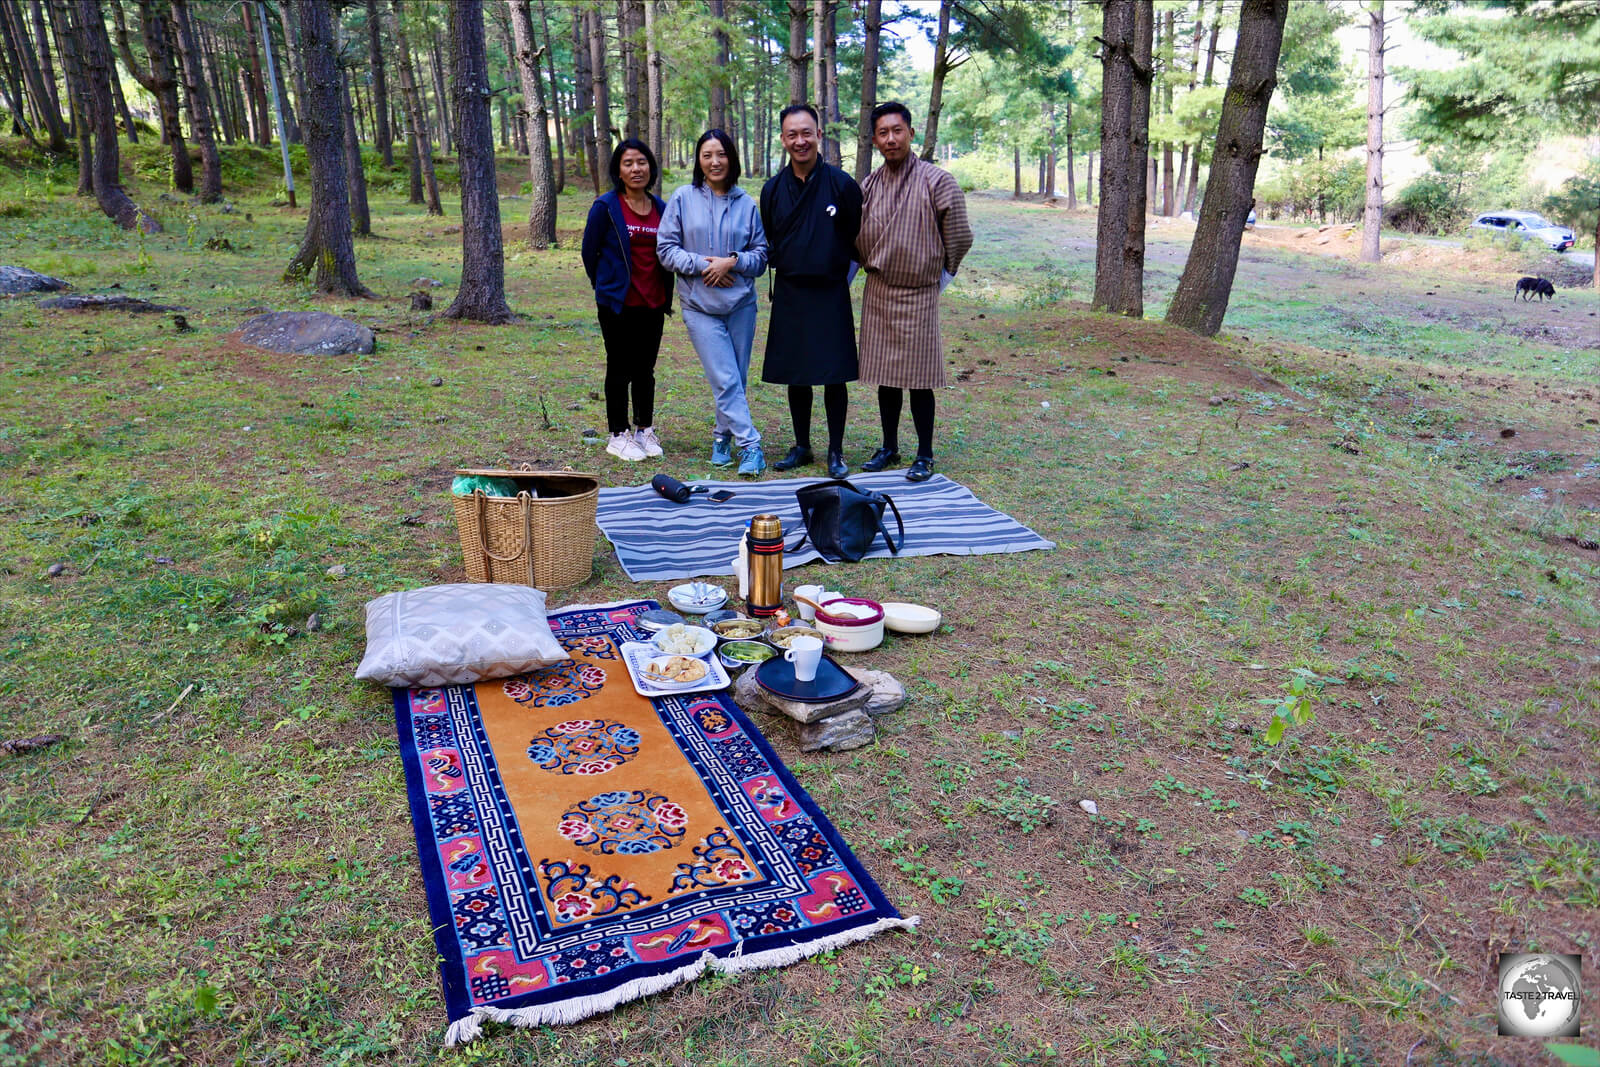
(633, 293)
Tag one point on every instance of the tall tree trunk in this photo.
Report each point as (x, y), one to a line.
(1168, 33)
(117, 96)
(1088, 179)
(602, 94)
(555, 93)
(95, 48)
(417, 121)
(629, 16)
(63, 18)
(1016, 171)
(280, 106)
(719, 77)
(355, 173)
(1201, 300)
(652, 45)
(327, 248)
(482, 296)
(1072, 181)
(160, 80)
(211, 68)
(1372, 215)
(1140, 192)
(1183, 174)
(16, 99)
(585, 145)
(1050, 154)
(1038, 186)
(830, 54)
(542, 201)
(278, 78)
(872, 25)
(258, 85)
(291, 71)
(50, 116)
(441, 93)
(199, 103)
(797, 57)
(380, 84)
(1117, 172)
(46, 67)
(941, 67)
(1194, 164)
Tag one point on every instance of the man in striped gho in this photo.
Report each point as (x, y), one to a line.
(914, 233)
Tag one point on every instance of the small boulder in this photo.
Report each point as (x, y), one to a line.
(15, 280)
(337, 571)
(421, 300)
(885, 693)
(802, 712)
(840, 733)
(306, 333)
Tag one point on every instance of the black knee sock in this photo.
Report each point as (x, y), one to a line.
(836, 402)
(800, 414)
(889, 410)
(922, 419)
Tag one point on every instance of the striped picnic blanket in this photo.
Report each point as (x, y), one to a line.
(657, 539)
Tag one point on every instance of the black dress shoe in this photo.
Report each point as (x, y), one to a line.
(797, 457)
(921, 469)
(882, 458)
(836, 465)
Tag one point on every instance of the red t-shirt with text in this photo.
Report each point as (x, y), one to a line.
(647, 286)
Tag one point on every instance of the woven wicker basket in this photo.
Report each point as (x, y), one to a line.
(546, 541)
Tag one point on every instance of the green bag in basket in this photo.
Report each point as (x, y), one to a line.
(465, 484)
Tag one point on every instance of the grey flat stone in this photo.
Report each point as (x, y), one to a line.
(15, 280)
(306, 333)
(104, 302)
(840, 733)
(751, 697)
(887, 694)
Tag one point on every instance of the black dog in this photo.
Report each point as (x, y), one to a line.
(1527, 288)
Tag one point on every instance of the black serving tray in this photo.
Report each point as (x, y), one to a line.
(776, 676)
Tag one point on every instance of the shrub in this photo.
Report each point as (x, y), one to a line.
(981, 170)
(1430, 204)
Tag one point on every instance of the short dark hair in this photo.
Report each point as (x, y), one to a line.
(893, 107)
(699, 177)
(795, 109)
(616, 162)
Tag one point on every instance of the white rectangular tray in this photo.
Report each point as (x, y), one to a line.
(635, 654)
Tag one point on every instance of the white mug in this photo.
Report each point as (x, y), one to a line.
(805, 653)
(810, 592)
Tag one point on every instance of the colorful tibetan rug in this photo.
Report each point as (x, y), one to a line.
(582, 845)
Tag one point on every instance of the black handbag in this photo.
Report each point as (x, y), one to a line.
(843, 520)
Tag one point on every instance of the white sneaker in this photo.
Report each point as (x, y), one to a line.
(647, 440)
(623, 446)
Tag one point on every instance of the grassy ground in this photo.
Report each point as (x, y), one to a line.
(1330, 488)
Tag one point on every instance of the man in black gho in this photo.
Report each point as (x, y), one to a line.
(811, 211)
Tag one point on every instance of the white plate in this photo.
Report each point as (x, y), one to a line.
(683, 598)
(635, 654)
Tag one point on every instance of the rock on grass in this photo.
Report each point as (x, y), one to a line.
(306, 333)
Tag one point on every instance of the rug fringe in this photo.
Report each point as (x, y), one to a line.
(470, 1027)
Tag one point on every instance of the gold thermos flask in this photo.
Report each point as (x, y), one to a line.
(765, 541)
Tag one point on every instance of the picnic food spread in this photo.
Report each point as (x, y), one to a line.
(676, 670)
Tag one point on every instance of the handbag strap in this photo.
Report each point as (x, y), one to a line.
(894, 549)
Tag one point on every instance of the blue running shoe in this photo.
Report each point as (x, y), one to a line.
(721, 450)
(752, 461)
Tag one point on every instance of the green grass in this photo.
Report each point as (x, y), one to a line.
(231, 875)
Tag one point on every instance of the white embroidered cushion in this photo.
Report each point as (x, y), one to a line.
(455, 634)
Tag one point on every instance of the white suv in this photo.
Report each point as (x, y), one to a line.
(1528, 224)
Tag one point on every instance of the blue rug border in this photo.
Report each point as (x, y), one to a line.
(452, 965)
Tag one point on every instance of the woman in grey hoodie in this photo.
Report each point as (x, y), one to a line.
(711, 238)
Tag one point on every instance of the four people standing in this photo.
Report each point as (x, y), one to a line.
(906, 225)
(811, 211)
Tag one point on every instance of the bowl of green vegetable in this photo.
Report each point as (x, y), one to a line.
(736, 654)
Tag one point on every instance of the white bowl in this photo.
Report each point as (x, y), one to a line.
(684, 599)
(705, 640)
(905, 618)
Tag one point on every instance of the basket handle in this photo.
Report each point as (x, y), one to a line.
(481, 502)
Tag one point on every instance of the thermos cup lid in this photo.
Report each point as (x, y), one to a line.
(766, 527)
